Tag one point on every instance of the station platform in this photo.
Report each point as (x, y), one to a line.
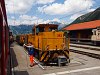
(20, 61)
(79, 64)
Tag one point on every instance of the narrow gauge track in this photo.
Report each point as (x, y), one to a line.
(86, 47)
(82, 43)
(88, 50)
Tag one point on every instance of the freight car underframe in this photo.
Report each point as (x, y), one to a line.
(52, 56)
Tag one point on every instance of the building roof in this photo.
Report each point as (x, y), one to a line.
(85, 25)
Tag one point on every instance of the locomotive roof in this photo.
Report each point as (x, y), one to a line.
(50, 25)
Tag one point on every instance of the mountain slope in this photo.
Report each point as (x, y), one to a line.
(95, 15)
(21, 29)
(91, 16)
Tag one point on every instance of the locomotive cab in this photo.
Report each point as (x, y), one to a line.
(48, 36)
(44, 28)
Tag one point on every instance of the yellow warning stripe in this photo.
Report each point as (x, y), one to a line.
(66, 53)
(42, 57)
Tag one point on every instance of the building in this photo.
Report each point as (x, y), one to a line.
(81, 28)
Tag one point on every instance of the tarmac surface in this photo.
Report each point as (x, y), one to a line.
(79, 65)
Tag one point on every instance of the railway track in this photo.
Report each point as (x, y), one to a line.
(88, 50)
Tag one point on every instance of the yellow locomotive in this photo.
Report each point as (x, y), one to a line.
(49, 43)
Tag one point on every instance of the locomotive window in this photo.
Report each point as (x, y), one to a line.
(50, 29)
(41, 29)
(37, 30)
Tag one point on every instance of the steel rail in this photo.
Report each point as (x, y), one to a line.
(97, 56)
(88, 53)
(90, 48)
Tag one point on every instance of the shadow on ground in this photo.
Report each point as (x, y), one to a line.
(21, 73)
(14, 59)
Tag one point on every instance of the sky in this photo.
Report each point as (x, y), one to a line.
(44, 11)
